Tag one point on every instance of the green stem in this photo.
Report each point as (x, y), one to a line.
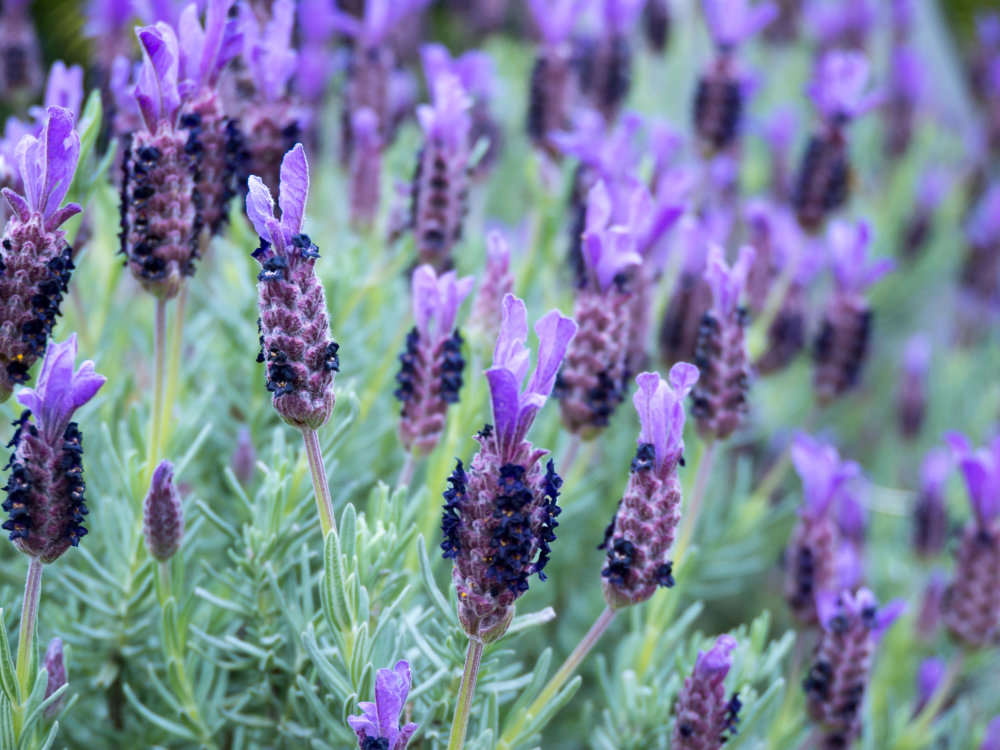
(406, 473)
(559, 678)
(690, 517)
(460, 724)
(324, 503)
(29, 617)
(156, 416)
(173, 373)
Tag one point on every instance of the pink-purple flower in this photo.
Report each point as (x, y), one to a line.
(378, 726)
(731, 22)
(840, 90)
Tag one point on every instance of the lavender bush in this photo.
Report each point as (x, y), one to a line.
(313, 495)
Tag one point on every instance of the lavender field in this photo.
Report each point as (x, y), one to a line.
(499, 375)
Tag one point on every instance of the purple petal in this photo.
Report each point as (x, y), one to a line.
(17, 204)
(260, 207)
(391, 688)
(31, 165)
(505, 398)
(650, 403)
(294, 190)
(61, 147)
(717, 660)
(365, 725)
(887, 615)
(64, 87)
(991, 738)
(62, 215)
(733, 21)
(425, 297)
(555, 18)
(156, 91)
(191, 38)
(930, 675)
(511, 352)
(554, 331)
(405, 733)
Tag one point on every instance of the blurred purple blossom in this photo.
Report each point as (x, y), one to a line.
(291, 201)
(981, 471)
(555, 19)
(849, 245)
(205, 51)
(727, 282)
(839, 89)
(156, 91)
(823, 473)
(732, 22)
(436, 300)
(608, 248)
(447, 120)
(268, 50)
(930, 676)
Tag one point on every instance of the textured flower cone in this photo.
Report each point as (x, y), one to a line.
(498, 523)
(212, 142)
(591, 382)
(980, 271)
(160, 220)
(930, 523)
(971, 606)
(718, 107)
(295, 339)
(365, 172)
(916, 233)
(45, 489)
(703, 714)
(912, 407)
(35, 268)
(823, 181)
(786, 336)
(809, 563)
(641, 534)
(841, 347)
(367, 85)
(162, 517)
(440, 202)
(899, 113)
(835, 685)
(678, 337)
(550, 96)
(637, 352)
(429, 380)
(605, 70)
(720, 397)
(497, 280)
(270, 129)
(20, 57)
(656, 24)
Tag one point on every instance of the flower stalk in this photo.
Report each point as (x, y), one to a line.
(460, 724)
(29, 617)
(324, 503)
(159, 374)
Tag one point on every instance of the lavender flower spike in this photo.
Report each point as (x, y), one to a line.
(810, 558)
(378, 726)
(592, 382)
(930, 513)
(836, 683)
(642, 532)
(160, 215)
(45, 488)
(705, 718)
(841, 348)
(971, 604)
(500, 515)
(552, 87)
(496, 282)
(35, 259)
(55, 669)
(720, 397)
(295, 338)
(839, 94)
(440, 185)
(162, 517)
(431, 373)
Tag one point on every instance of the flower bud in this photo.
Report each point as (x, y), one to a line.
(55, 668)
(162, 516)
(705, 717)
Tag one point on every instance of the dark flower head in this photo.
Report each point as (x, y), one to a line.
(380, 720)
(45, 489)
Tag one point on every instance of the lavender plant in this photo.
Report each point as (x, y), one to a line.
(206, 607)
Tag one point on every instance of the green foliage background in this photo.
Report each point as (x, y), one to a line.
(279, 636)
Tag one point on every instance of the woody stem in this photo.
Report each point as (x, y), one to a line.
(29, 616)
(159, 363)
